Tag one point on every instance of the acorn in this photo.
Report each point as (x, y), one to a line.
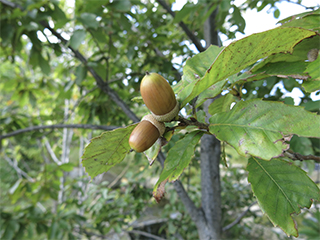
(159, 97)
(146, 133)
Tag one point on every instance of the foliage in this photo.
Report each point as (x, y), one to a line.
(254, 127)
(51, 54)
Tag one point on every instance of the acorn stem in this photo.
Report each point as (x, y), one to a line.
(194, 122)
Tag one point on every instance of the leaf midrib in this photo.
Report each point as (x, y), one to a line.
(273, 180)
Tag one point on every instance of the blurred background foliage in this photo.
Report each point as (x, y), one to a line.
(45, 193)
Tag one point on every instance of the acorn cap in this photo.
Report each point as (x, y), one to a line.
(169, 116)
(146, 133)
(159, 125)
(158, 95)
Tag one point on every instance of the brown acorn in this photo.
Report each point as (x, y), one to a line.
(159, 97)
(146, 133)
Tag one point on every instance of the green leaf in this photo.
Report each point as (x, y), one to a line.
(221, 104)
(67, 167)
(238, 20)
(195, 69)
(311, 106)
(11, 227)
(276, 13)
(59, 16)
(179, 157)
(306, 20)
(89, 20)
(107, 150)
(53, 230)
(184, 12)
(283, 68)
(44, 65)
(121, 5)
(7, 31)
(301, 145)
(81, 74)
(245, 52)
(261, 128)
(281, 189)
(77, 37)
(311, 86)
(313, 69)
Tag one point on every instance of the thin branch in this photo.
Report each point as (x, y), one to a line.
(148, 222)
(51, 152)
(18, 170)
(306, 7)
(114, 182)
(190, 34)
(193, 122)
(36, 128)
(100, 82)
(149, 235)
(196, 214)
(297, 156)
(235, 222)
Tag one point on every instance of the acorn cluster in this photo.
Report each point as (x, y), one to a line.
(159, 98)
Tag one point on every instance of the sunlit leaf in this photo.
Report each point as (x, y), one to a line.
(240, 54)
(281, 189)
(313, 69)
(307, 20)
(221, 104)
(195, 69)
(261, 128)
(107, 150)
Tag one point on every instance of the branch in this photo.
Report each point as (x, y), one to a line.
(18, 170)
(193, 122)
(190, 34)
(297, 156)
(196, 214)
(149, 235)
(51, 152)
(235, 222)
(306, 7)
(36, 128)
(103, 85)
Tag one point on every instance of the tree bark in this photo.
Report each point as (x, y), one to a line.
(210, 160)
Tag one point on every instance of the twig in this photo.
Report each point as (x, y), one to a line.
(193, 122)
(196, 214)
(100, 82)
(149, 235)
(36, 128)
(51, 152)
(312, 8)
(114, 182)
(190, 34)
(297, 156)
(235, 222)
(18, 170)
(148, 222)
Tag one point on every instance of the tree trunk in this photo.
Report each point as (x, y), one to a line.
(210, 160)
